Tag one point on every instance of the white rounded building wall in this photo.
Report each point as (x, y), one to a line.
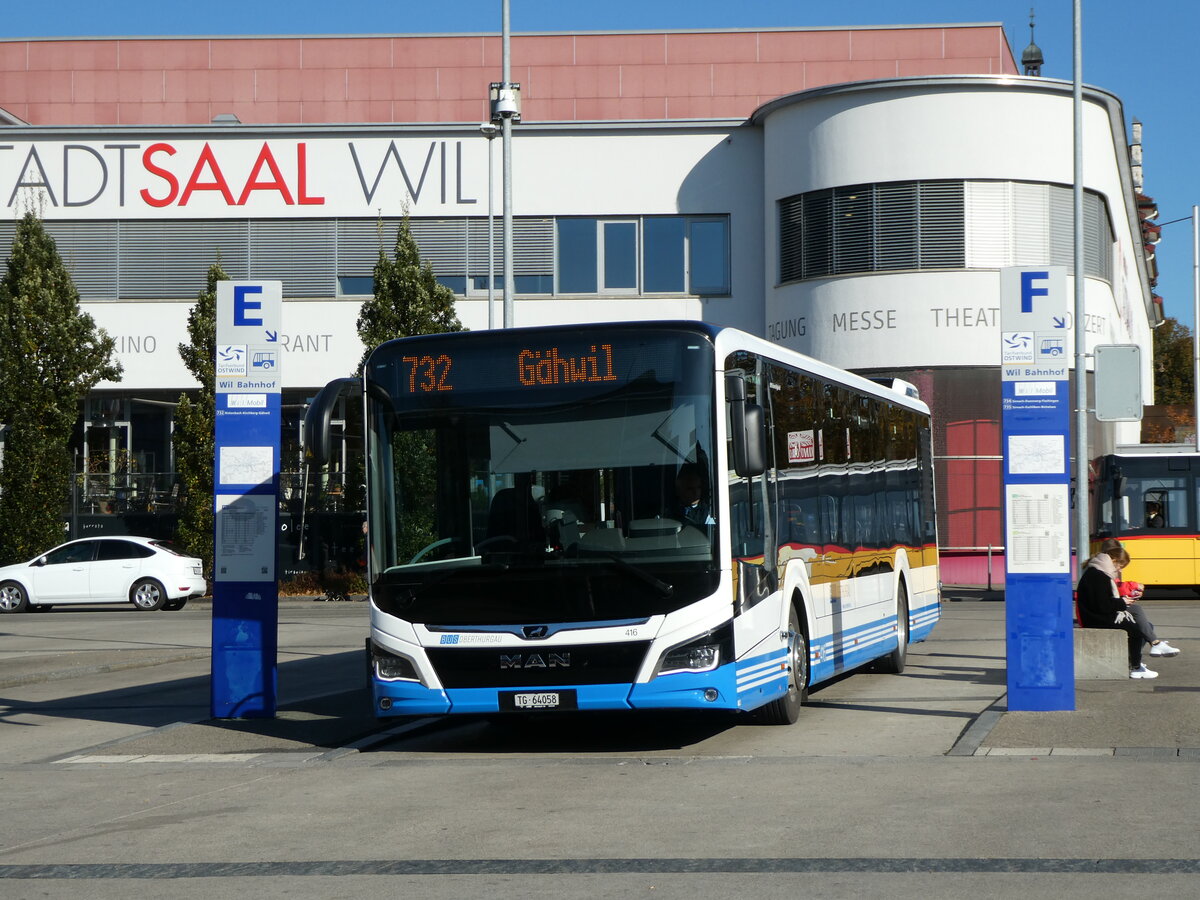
(988, 132)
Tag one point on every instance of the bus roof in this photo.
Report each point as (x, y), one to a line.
(1188, 449)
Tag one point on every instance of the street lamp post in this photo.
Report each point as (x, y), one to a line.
(1196, 318)
(508, 109)
(1081, 411)
(489, 131)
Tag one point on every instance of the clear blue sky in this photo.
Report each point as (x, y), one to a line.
(1143, 53)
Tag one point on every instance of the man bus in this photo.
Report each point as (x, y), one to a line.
(527, 545)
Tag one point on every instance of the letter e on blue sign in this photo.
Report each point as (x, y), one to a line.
(241, 305)
(248, 311)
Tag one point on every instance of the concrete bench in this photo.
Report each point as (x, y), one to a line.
(1101, 653)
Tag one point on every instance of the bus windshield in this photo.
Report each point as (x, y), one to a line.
(583, 472)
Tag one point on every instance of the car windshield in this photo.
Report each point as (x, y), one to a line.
(584, 501)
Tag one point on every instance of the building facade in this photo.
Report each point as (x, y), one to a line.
(851, 193)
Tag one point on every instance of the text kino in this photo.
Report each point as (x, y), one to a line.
(548, 367)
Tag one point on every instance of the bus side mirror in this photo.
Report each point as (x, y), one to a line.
(747, 424)
(319, 415)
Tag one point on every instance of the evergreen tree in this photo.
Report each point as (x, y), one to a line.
(195, 420)
(51, 355)
(408, 300)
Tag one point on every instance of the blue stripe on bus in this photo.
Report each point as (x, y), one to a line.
(922, 621)
(857, 646)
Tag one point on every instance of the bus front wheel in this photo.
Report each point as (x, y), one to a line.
(786, 709)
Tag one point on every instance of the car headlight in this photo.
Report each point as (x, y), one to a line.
(700, 654)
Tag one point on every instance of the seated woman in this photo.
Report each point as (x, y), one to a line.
(1131, 592)
(1101, 605)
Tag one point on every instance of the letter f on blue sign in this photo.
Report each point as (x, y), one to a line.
(1028, 291)
(241, 304)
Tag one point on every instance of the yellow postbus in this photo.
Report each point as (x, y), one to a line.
(1146, 496)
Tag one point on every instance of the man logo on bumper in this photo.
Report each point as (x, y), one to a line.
(535, 661)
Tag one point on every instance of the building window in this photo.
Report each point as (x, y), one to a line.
(647, 255)
(577, 253)
(871, 228)
(929, 225)
(708, 256)
(619, 242)
(663, 261)
(356, 285)
(317, 258)
(1018, 223)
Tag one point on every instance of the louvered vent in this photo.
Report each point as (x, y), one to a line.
(169, 259)
(300, 253)
(89, 251)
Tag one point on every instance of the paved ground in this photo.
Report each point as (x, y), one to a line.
(1158, 717)
(918, 785)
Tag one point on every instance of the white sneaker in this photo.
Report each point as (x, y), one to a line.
(1162, 648)
(1142, 672)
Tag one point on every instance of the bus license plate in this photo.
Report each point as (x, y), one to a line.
(537, 700)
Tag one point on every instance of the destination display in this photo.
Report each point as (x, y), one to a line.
(436, 373)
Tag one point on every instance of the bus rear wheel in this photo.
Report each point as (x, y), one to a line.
(786, 709)
(893, 663)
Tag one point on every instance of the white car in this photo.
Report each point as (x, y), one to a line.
(137, 570)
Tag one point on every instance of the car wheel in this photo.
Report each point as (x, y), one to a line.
(173, 605)
(147, 595)
(13, 598)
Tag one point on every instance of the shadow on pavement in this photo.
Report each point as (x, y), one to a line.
(323, 703)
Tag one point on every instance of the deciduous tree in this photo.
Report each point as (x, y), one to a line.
(1173, 356)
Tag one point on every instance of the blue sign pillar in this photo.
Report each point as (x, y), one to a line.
(1035, 412)
(245, 499)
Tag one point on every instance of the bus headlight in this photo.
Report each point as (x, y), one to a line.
(701, 654)
(694, 658)
(391, 666)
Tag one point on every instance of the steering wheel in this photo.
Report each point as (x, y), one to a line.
(497, 539)
(426, 550)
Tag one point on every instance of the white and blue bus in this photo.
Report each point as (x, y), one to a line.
(661, 515)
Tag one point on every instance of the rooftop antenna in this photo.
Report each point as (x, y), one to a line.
(1032, 58)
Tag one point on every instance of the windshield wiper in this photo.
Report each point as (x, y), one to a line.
(664, 589)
